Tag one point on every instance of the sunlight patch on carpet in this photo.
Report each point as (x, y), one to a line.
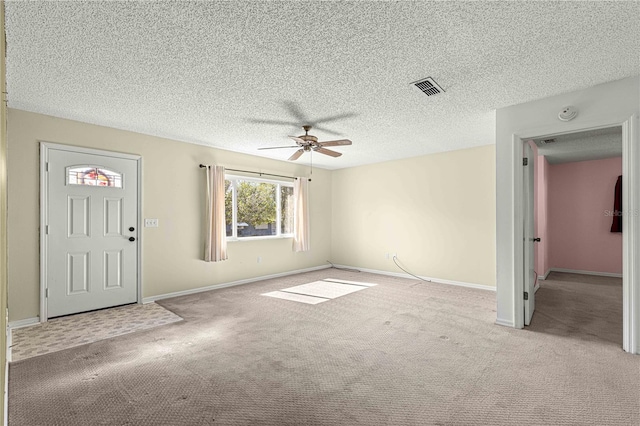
(319, 291)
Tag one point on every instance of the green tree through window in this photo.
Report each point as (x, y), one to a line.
(261, 208)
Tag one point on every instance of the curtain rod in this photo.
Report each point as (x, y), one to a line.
(255, 173)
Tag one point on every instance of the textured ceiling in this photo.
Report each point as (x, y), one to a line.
(582, 146)
(222, 73)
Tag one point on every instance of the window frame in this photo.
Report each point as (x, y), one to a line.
(233, 179)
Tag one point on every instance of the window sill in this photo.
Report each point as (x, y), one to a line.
(266, 237)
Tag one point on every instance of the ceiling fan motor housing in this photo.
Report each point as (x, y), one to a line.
(309, 138)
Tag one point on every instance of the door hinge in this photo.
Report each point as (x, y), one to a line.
(526, 295)
(46, 293)
(46, 166)
(525, 161)
(46, 229)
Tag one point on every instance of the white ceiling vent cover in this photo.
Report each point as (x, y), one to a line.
(428, 86)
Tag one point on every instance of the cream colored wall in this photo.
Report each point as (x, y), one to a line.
(173, 191)
(437, 212)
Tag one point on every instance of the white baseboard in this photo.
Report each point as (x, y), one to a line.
(436, 280)
(504, 323)
(546, 274)
(576, 271)
(230, 284)
(23, 323)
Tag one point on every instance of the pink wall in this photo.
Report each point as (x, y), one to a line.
(579, 237)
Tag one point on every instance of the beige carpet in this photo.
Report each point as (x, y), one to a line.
(74, 330)
(400, 353)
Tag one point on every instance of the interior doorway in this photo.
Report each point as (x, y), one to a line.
(574, 251)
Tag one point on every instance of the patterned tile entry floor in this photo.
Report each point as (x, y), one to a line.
(75, 330)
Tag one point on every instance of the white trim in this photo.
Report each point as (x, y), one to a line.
(140, 229)
(23, 323)
(504, 323)
(435, 280)
(576, 271)
(544, 277)
(630, 236)
(151, 299)
(8, 352)
(518, 230)
(44, 220)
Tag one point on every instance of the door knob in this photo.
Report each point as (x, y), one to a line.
(536, 240)
(131, 228)
(132, 239)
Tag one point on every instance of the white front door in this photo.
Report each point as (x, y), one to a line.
(91, 221)
(529, 230)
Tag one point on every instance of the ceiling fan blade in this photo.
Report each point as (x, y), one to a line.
(338, 142)
(295, 110)
(325, 130)
(297, 139)
(276, 122)
(296, 155)
(278, 147)
(328, 152)
(335, 117)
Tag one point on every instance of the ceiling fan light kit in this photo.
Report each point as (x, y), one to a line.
(308, 143)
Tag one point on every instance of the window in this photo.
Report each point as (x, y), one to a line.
(258, 207)
(94, 176)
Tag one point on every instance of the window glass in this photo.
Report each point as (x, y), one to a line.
(94, 176)
(258, 207)
(256, 204)
(228, 207)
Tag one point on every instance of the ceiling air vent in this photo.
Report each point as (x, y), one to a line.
(428, 86)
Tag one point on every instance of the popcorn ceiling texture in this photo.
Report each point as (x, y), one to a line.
(205, 72)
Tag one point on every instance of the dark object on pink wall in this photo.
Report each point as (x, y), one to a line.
(616, 226)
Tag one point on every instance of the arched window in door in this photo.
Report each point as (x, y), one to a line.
(93, 176)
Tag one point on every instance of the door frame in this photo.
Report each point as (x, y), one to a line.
(45, 147)
(528, 224)
(630, 228)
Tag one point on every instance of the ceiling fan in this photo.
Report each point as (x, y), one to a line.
(309, 143)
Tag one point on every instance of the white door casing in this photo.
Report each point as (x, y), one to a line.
(529, 230)
(514, 302)
(89, 255)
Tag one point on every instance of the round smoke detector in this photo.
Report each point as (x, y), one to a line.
(568, 113)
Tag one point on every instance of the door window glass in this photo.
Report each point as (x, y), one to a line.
(93, 176)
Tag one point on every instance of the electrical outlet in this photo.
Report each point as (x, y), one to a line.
(151, 223)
